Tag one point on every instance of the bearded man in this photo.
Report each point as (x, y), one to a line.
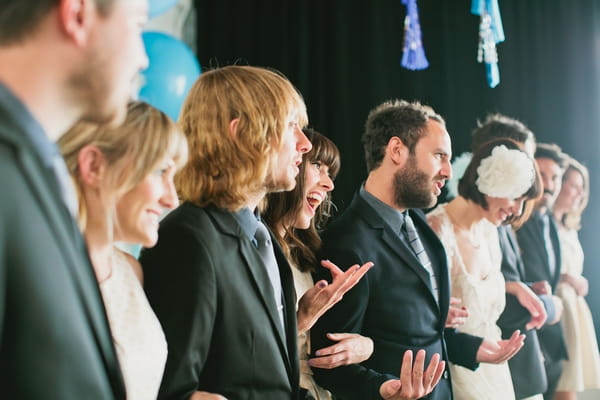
(403, 302)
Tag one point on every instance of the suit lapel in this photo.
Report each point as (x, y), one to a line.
(41, 181)
(393, 241)
(557, 254)
(258, 272)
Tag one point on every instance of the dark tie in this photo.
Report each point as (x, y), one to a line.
(549, 246)
(415, 243)
(265, 249)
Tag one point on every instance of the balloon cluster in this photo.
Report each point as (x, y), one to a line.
(172, 68)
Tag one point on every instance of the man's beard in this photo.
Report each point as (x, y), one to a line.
(412, 187)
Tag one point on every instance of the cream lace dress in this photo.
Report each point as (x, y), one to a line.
(485, 299)
(137, 334)
(582, 370)
(302, 282)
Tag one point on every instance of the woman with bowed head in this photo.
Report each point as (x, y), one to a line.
(498, 180)
(294, 217)
(582, 370)
(124, 180)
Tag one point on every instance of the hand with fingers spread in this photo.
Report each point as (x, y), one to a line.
(415, 381)
(322, 296)
(496, 352)
(456, 315)
(351, 348)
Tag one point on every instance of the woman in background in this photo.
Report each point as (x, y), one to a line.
(497, 181)
(582, 370)
(124, 180)
(294, 218)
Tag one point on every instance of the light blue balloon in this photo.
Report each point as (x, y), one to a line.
(158, 7)
(172, 70)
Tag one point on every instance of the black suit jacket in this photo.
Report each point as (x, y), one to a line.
(55, 341)
(393, 304)
(535, 260)
(526, 367)
(210, 290)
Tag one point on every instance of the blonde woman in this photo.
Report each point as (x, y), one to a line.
(582, 370)
(124, 179)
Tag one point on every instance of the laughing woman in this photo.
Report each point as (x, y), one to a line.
(294, 217)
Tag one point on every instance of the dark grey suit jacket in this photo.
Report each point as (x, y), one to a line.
(55, 342)
(535, 260)
(527, 366)
(210, 290)
(393, 304)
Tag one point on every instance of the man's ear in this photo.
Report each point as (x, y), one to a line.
(76, 17)
(397, 151)
(92, 166)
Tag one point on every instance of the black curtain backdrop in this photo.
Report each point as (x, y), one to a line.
(344, 57)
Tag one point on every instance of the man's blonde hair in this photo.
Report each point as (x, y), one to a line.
(226, 166)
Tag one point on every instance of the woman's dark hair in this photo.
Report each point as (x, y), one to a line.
(280, 209)
(467, 186)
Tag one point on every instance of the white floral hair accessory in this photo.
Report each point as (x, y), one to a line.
(505, 173)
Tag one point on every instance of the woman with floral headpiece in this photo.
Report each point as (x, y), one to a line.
(498, 180)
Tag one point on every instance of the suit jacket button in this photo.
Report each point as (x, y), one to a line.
(445, 376)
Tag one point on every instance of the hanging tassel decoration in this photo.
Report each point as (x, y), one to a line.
(491, 33)
(413, 54)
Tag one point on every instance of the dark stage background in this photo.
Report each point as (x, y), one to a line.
(344, 55)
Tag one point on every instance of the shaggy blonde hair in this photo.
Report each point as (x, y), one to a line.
(131, 150)
(225, 167)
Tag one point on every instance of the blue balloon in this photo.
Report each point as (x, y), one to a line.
(157, 7)
(172, 70)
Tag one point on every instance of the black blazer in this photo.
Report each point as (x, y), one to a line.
(527, 366)
(54, 337)
(393, 304)
(535, 260)
(210, 290)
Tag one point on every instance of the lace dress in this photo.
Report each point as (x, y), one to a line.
(302, 282)
(137, 334)
(485, 299)
(582, 370)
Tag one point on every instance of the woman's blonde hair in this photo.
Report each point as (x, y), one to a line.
(226, 165)
(572, 218)
(131, 150)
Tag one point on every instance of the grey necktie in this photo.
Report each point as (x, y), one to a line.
(549, 245)
(415, 243)
(67, 189)
(265, 249)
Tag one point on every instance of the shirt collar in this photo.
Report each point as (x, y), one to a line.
(34, 132)
(248, 221)
(394, 218)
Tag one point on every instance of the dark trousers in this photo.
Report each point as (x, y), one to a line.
(553, 372)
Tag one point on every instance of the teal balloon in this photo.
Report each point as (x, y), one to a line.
(172, 70)
(158, 7)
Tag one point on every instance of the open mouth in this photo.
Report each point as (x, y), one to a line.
(314, 200)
